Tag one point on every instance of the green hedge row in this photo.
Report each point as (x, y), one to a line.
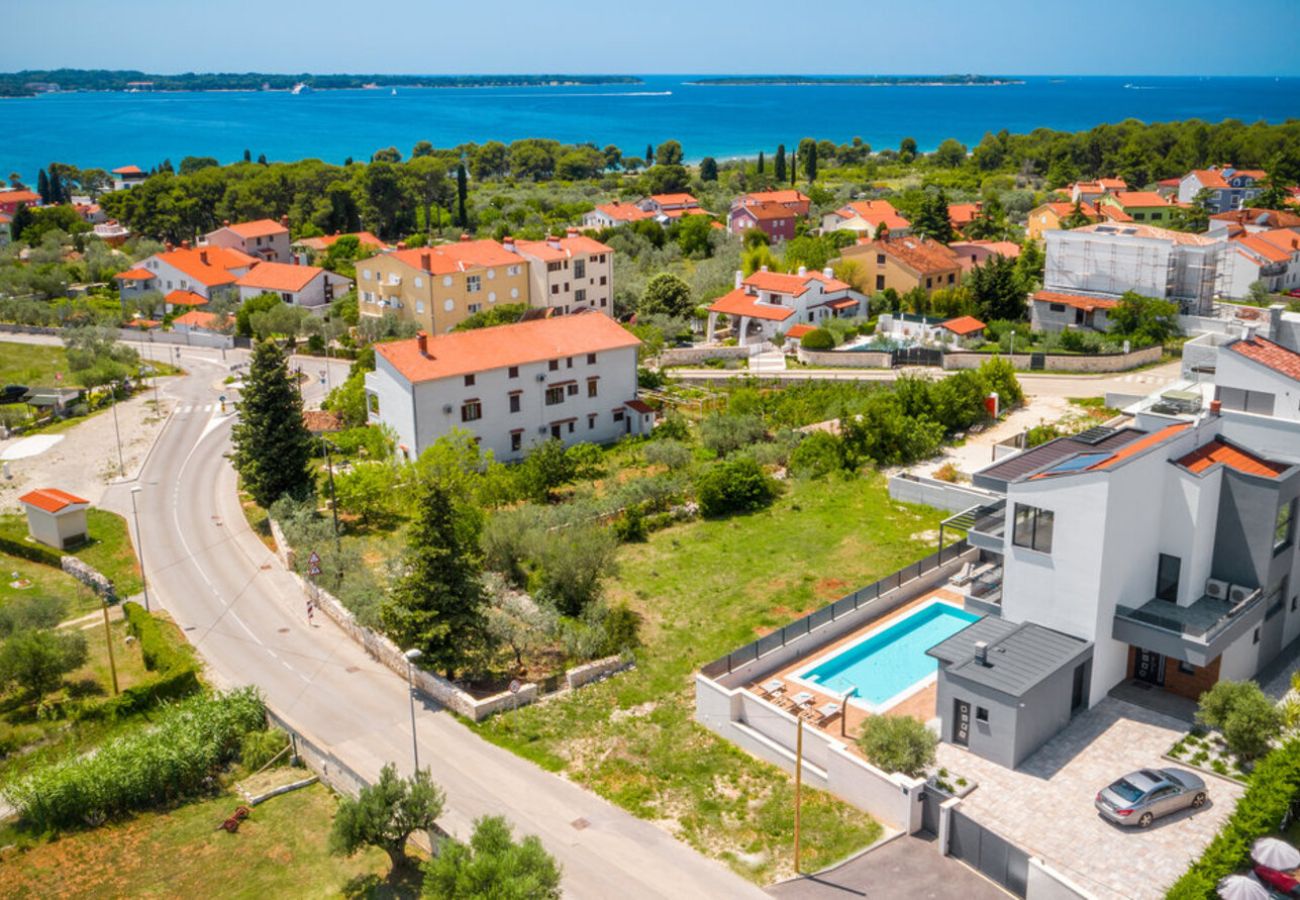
(161, 654)
(37, 553)
(1274, 786)
(172, 686)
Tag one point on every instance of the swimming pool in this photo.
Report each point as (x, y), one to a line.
(888, 664)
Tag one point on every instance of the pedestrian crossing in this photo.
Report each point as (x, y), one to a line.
(1143, 379)
(185, 408)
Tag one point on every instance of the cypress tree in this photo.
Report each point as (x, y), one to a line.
(57, 194)
(43, 187)
(810, 161)
(794, 166)
(462, 188)
(22, 219)
(438, 604)
(649, 155)
(760, 162)
(272, 445)
(261, 159)
(248, 155)
(708, 169)
(778, 167)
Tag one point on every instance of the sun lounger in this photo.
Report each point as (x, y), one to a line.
(803, 698)
(962, 576)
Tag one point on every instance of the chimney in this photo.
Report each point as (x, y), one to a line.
(571, 232)
(464, 236)
(203, 257)
(508, 243)
(169, 246)
(553, 241)
(1275, 322)
(803, 270)
(426, 263)
(185, 245)
(981, 653)
(401, 245)
(422, 341)
(762, 268)
(1216, 407)
(1251, 327)
(828, 272)
(284, 220)
(740, 277)
(225, 223)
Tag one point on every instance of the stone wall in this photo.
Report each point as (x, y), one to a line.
(693, 356)
(1062, 362)
(857, 359)
(595, 671)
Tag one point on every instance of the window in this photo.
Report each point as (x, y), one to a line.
(1167, 569)
(591, 359)
(516, 440)
(950, 277)
(580, 296)
(553, 267)
(981, 714)
(469, 381)
(592, 386)
(1139, 217)
(419, 307)
(515, 401)
(374, 409)
(566, 287)
(579, 268)
(555, 289)
(572, 389)
(880, 282)
(570, 426)
(512, 270)
(471, 411)
(591, 421)
(1056, 307)
(473, 284)
(553, 365)
(1033, 528)
(419, 282)
(618, 415)
(554, 395)
(880, 259)
(1255, 637)
(1284, 529)
(568, 362)
(929, 281)
(473, 308)
(512, 372)
(602, 281)
(1186, 668)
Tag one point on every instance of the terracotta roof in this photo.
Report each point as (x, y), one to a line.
(1209, 178)
(688, 211)
(624, 212)
(1141, 445)
(639, 406)
(197, 318)
(128, 170)
(1065, 209)
(920, 254)
(569, 247)
(258, 228)
(963, 325)
(794, 285)
(1261, 247)
(51, 500)
(1219, 451)
(463, 352)
(134, 275)
(790, 196)
(1141, 199)
(960, 214)
(285, 277)
(1009, 249)
(1148, 231)
(1256, 174)
(1113, 184)
(741, 303)
(460, 256)
(185, 298)
(320, 421)
(1169, 182)
(210, 266)
(1077, 301)
(798, 331)
(1285, 239)
(1273, 218)
(1276, 357)
(7, 197)
(765, 210)
(674, 199)
(364, 238)
(1114, 213)
(876, 213)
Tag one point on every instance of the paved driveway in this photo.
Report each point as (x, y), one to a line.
(1045, 806)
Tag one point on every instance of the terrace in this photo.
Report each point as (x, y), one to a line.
(1195, 633)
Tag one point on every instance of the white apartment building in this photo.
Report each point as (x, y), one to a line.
(572, 378)
(768, 302)
(1108, 260)
(1271, 257)
(568, 274)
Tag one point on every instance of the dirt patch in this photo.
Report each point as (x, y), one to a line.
(832, 588)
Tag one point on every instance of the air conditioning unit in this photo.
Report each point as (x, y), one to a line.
(1216, 589)
(1239, 592)
(447, 408)
(541, 376)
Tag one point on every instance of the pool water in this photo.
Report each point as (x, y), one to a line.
(892, 661)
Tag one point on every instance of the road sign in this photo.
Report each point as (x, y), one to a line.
(313, 564)
(515, 686)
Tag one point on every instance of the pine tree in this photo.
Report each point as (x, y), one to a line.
(462, 188)
(778, 167)
(708, 169)
(438, 603)
(272, 445)
(810, 161)
(43, 187)
(932, 220)
(760, 162)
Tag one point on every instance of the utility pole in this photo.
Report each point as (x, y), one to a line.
(108, 639)
(798, 786)
(411, 656)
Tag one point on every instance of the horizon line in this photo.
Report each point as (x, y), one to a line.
(717, 74)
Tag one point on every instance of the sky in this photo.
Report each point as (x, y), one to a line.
(1022, 37)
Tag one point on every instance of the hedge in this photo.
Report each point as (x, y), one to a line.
(1274, 786)
(161, 654)
(37, 553)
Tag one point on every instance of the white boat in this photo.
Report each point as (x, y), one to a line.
(394, 92)
(301, 88)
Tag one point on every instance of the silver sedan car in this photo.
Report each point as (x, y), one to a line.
(1141, 797)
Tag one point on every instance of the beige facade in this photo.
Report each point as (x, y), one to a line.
(904, 264)
(569, 274)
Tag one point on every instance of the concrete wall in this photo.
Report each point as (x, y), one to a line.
(691, 356)
(939, 494)
(1045, 883)
(858, 359)
(1063, 362)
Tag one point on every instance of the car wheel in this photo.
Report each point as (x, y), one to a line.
(1146, 820)
(1199, 800)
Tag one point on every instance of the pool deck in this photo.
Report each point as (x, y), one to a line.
(920, 705)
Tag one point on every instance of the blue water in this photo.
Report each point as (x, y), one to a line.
(888, 663)
(114, 129)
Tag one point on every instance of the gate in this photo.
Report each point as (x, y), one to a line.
(916, 356)
(1037, 362)
(931, 799)
(1003, 862)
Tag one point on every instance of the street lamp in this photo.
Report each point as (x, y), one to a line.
(139, 545)
(1013, 343)
(411, 656)
(121, 463)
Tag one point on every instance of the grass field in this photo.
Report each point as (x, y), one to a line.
(32, 364)
(705, 588)
(280, 851)
(109, 549)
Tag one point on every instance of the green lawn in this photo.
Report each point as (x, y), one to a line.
(109, 548)
(705, 588)
(45, 581)
(278, 852)
(32, 364)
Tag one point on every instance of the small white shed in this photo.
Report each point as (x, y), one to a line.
(55, 518)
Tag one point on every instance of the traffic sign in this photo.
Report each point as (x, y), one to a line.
(313, 564)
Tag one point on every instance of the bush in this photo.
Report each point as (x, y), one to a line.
(732, 486)
(22, 613)
(898, 744)
(818, 339)
(492, 866)
(1273, 787)
(572, 566)
(188, 744)
(671, 453)
(727, 433)
(37, 659)
(160, 653)
(1246, 717)
(820, 453)
(260, 747)
(630, 527)
(37, 553)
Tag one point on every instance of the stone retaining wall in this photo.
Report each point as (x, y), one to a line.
(857, 359)
(693, 356)
(1063, 362)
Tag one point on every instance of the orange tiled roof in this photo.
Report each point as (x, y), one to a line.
(1274, 218)
(273, 276)
(1261, 247)
(134, 275)
(1077, 301)
(1276, 357)
(570, 246)
(258, 228)
(624, 212)
(960, 214)
(1256, 174)
(463, 352)
(50, 499)
(798, 331)
(741, 303)
(790, 196)
(674, 199)
(460, 256)
(1140, 199)
(1219, 451)
(19, 197)
(765, 210)
(921, 254)
(209, 266)
(185, 298)
(875, 213)
(197, 318)
(128, 170)
(364, 238)
(1284, 239)
(1114, 213)
(794, 285)
(963, 325)
(1209, 178)
(1065, 209)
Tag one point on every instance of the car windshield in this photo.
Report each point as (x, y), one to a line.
(1126, 790)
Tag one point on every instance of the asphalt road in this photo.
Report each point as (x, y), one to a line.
(247, 618)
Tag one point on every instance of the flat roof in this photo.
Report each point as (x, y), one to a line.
(1019, 656)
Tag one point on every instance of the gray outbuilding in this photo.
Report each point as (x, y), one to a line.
(1005, 689)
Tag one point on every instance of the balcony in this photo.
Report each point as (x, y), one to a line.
(1196, 633)
(985, 525)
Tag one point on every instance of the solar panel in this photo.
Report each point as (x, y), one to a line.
(1077, 463)
(1094, 435)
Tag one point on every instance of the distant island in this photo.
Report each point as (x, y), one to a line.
(31, 82)
(868, 80)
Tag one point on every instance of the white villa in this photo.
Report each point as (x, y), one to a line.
(768, 302)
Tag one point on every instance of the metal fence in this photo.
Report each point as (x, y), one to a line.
(800, 628)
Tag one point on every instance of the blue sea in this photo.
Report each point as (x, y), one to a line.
(114, 129)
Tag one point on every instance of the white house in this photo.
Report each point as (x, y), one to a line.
(568, 274)
(307, 286)
(205, 271)
(572, 378)
(264, 239)
(667, 207)
(866, 218)
(1271, 257)
(55, 517)
(611, 215)
(768, 302)
(1230, 188)
(125, 177)
(1257, 375)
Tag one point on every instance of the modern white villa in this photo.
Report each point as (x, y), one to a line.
(768, 302)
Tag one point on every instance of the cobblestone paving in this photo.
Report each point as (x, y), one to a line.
(1046, 806)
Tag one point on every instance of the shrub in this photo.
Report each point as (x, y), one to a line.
(732, 486)
(630, 527)
(188, 743)
(670, 453)
(492, 865)
(22, 613)
(37, 553)
(37, 659)
(572, 566)
(257, 748)
(948, 472)
(898, 744)
(1243, 713)
(160, 653)
(817, 455)
(727, 433)
(818, 339)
